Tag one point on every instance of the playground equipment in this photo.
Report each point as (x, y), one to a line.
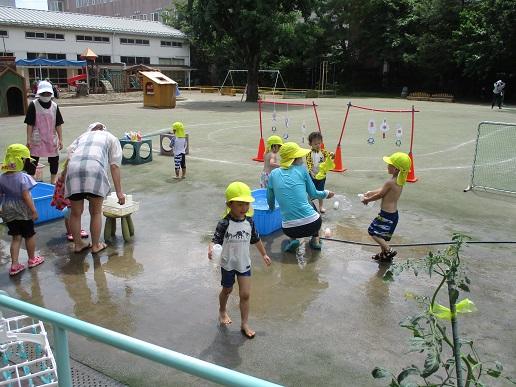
(72, 81)
(286, 122)
(384, 128)
(494, 164)
(229, 76)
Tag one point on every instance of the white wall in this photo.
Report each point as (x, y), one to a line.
(17, 43)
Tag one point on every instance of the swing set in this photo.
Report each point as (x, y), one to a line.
(229, 78)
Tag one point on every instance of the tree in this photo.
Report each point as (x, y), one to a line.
(242, 29)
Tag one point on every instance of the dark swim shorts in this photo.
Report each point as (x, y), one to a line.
(383, 225)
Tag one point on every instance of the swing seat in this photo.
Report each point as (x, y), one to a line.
(228, 91)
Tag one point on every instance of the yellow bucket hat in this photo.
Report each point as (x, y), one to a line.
(14, 158)
(179, 128)
(273, 140)
(239, 192)
(290, 151)
(400, 161)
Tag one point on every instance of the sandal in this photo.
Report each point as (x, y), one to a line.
(292, 246)
(15, 269)
(315, 246)
(84, 234)
(387, 257)
(378, 257)
(37, 260)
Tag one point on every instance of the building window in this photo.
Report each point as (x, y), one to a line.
(45, 55)
(88, 38)
(56, 76)
(4, 34)
(171, 61)
(133, 60)
(101, 59)
(43, 35)
(7, 53)
(167, 43)
(139, 42)
(155, 16)
(55, 6)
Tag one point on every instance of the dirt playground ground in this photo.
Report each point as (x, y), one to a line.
(329, 323)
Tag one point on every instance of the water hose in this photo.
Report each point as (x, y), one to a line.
(413, 244)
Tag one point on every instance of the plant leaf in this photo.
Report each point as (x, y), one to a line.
(379, 373)
(412, 370)
(493, 373)
(431, 364)
(471, 359)
(463, 287)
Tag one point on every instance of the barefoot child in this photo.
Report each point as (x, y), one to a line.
(63, 204)
(383, 226)
(270, 159)
(314, 159)
(235, 232)
(179, 144)
(18, 210)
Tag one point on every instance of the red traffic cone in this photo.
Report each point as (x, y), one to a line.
(411, 178)
(338, 160)
(261, 151)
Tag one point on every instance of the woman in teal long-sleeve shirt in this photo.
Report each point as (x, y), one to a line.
(292, 187)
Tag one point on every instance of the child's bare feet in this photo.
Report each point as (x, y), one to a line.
(224, 318)
(247, 332)
(323, 210)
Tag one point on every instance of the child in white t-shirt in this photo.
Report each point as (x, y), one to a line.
(179, 145)
(235, 232)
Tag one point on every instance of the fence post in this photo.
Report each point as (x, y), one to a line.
(62, 356)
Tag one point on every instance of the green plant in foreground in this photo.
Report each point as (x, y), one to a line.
(449, 361)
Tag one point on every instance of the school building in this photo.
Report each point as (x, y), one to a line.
(119, 43)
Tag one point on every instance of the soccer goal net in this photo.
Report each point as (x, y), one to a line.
(494, 163)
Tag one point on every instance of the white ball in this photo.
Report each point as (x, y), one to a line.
(336, 204)
(327, 232)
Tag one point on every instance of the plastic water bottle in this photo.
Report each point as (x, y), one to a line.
(216, 252)
(336, 205)
(36, 137)
(361, 197)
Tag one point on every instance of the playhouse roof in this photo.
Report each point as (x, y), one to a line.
(158, 77)
(66, 20)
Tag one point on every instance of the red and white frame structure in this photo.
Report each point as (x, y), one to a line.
(338, 153)
(261, 144)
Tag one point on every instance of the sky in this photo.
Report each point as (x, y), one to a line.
(34, 4)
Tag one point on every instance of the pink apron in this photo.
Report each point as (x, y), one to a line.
(44, 140)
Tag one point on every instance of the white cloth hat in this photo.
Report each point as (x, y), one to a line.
(45, 87)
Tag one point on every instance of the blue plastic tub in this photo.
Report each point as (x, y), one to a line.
(42, 196)
(266, 221)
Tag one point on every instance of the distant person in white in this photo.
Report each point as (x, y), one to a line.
(498, 93)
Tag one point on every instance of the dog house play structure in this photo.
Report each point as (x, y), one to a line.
(13, 100)
(158, 90)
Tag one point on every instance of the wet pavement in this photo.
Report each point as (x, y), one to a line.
(327, 323)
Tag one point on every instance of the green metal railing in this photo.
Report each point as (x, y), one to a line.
(62, 324)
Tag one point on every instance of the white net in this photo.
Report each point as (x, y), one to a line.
(494, 164)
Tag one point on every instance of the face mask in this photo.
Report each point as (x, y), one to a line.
(45, 99)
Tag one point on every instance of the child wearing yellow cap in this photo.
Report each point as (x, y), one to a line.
(314, 159)
(236, 232)
(382, 227)
(18, 210)
(179, 145)
(270, 159)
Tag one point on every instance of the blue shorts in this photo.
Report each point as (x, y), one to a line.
(319, 184)
(228, 277)
(383, 225)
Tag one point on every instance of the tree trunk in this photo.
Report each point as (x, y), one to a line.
(252, 80)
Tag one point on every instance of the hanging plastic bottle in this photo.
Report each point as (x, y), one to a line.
(384, 128)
